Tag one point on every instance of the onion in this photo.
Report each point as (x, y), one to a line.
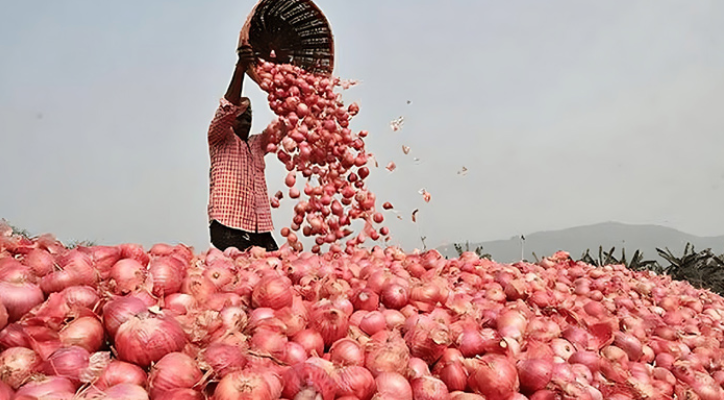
(40, 261)
(394, 296)
(429, 388)
(6, 392)
(45, 387)
(366, 299)
(330, 322)
(180, 303)
(86, 332)
(146, 338)
(173, 371)
(68, 362)
(454, 376)
(494, 377)
(243, 385)
(19, 298)
(4, 317)
(312, 342)
(17, 364)
(307, 381)
(120, 372)
(180, 394)
(347, 352)
(125, 391)
(393, 386)
(223, 359)
(388, 355)
(534, 374)
(427, 339)
(127, 276)
(80, 296)
(473, 342)
(373, 322)
(273, 292)
(167, 275)
(355, 381)
(120, 310)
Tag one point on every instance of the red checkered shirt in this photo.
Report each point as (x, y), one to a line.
(238, 196)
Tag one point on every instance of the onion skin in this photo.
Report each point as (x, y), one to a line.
(393, 386)
(46, 387)
(120, 310)
(17, 364)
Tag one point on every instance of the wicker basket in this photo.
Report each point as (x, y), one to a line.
(294, 31)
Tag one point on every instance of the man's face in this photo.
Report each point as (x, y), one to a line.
(242, 124)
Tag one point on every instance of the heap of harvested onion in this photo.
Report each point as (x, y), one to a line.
(369, 324)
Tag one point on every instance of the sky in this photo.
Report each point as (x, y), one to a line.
(563, 112)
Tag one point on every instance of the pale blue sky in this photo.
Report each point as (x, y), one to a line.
(564, 112)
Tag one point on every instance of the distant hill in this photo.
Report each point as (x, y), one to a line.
(609, 234)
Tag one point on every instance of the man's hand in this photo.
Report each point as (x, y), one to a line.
(246, 57)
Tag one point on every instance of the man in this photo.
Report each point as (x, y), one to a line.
(239, 210)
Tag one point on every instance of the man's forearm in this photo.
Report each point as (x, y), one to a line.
(233, 93)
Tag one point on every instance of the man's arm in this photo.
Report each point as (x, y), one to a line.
(233, 93)
(225, 114)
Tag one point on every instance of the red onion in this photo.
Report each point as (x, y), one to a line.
(125, 391)
(427, 340)
(6, 392)
(68, 362)
(19, 298)
(167, 275)
(127, 276)
(355, 381)
(273, 292)
(429, 388)
(394, 296)
(534, 374)
(311, 341)
(40, 261)
(393, 386)
(146, 338)
(307, 381)
(120, 310)
(494, 368)
(223, 359)
(86, 332)
(17, 364)
(46, 387)
(465, 396)
(180, 303)
(180, 394)
(331, 323)
(243, 385)
(4, 317)
(120, 372)
(366, 299)
(473, 342)
(294, 353)
(390, 354)
(454, 376)
(173, 371)
(630, 344)
(372, 322)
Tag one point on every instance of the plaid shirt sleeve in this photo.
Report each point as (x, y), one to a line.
(219, 130)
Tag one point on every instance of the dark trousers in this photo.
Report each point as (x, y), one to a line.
(223, 237)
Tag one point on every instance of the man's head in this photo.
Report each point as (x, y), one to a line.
(242, 123)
